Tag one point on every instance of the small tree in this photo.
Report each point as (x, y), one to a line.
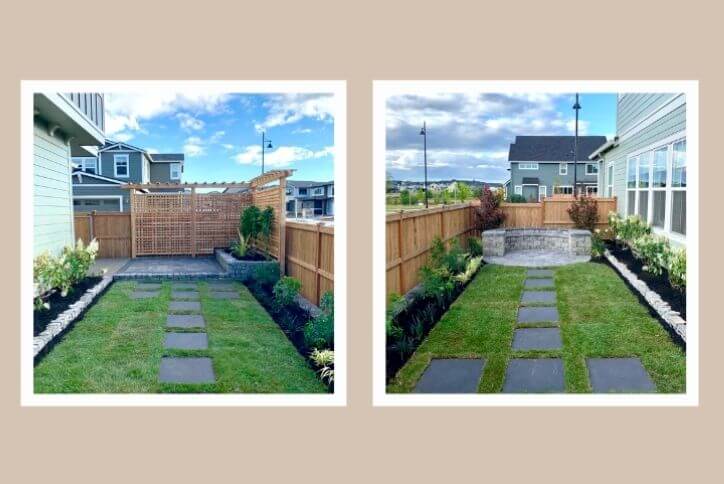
(404, 197)
(584, 212)
(489, 215)
(465, 191)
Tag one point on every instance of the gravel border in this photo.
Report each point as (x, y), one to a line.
(672, 318)
(56, 327)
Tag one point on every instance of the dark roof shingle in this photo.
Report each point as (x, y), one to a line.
(552, 148)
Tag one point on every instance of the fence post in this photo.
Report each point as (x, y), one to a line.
(318, 263)
(193, 221)
(282, 226)
(442, 225)
(400, 246)
(132, 196)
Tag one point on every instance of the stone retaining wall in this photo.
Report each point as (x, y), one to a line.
(242, 270)
(498, 242)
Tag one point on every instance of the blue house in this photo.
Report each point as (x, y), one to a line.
(645, 164)
(541, 166)
(65, 125)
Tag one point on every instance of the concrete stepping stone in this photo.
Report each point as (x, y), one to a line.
(528, 375)
(535, 283)
(538, 297)
(537, 339)
(224, 295)
(183, 286)
(144, 294)
(186, 370)
(184, 295)
(187, 321)
(180, 306)
(538, 315)
(540, 273)
(222, 286)
(451, 375)
(186, 341)
(619, 375)
(148, 286)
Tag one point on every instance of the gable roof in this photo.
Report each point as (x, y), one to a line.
(80, 173)
(553, 148)
(307, 184)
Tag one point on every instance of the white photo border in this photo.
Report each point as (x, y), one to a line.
(338, 89)
(382, 90)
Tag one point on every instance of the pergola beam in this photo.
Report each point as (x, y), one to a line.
(146, 186)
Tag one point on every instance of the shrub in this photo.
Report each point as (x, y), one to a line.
(452, 258)
(319, 332)
(584, 212)
(628, 229)
(677, 269)
(266, 275)
(489, 215)
(653, 251)
(597, 245)
(239, 247)
(62, 272)
(516, 198)
(436, 283)
(286, 291)
(249, 223)
(324, 360)
(470, 270)
(475, 247)
(266, 223)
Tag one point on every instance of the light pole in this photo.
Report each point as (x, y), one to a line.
(576, 108)
(423, 132)
(265, 143)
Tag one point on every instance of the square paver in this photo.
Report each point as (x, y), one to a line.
(540, 273)
(451, 375)
(619, 375)
(538, 315)
(148, 286)
(183, 286)
(186, 370)
(224, 295)
(185, 321)
(184, 295)
(528, 375)
(222, 286)
(538, 297)
(144, 294)
(537, 339)
(186, 341)
(539, 283)
(177, 306)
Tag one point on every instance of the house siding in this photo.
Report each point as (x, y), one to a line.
(52, 192)
(547, 174)
(161, 172)
(110, 191)
(633, 107)
(135, 169)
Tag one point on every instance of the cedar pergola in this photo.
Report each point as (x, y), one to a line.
(174, 219)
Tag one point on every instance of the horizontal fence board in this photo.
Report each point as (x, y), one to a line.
(309, 256)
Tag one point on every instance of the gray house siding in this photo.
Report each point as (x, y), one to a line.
(548, 175)
(112, 191)
(631, 108)
(52, 201)
(134, 161)
(161, 172)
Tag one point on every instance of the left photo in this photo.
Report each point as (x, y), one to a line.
(179, 238)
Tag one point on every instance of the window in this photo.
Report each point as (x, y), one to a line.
(302, 191)
(563, 190)
(527, 166)
(591, 190)
(678, 187)
(331, 190)
(591, 168)
(120, 166)
(542, 190)
(175, 169)
(563, 169)
(609, 180)
(87, 165)
(518, 190)
(317, 191)
(658, 185)
(644, 176)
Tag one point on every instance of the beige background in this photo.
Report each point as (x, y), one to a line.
(360, 42)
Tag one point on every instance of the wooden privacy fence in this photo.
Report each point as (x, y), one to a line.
(552, 212)
(310, 257)
(409, 237)
(112, 230)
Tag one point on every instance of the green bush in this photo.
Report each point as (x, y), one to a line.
(677, 269)
(324, 360)
(653, 251)
(475, 247)
(470, 269)
(627, 229)
(452, 258)
(266, 224)
(240, 247)
(266, 275)
(437, 283)
(62, 272)
(515, 198)
(249, 223)
(319, 332)
(286, 291)
(597, 245)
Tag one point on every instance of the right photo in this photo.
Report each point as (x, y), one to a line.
(536, 241)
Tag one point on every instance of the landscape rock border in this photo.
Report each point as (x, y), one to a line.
(56, 327)
(672, 318)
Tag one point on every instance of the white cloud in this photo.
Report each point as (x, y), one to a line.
(227, 146)
(123, 137)
(216, 137)
(189, 123)
(194, 146)
(153, 150)
(126, 111)
(290, 108)
(281, 157)
(302, 131)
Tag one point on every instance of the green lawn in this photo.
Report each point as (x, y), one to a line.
(600, 317)
(118, 345)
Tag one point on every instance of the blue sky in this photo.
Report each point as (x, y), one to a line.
(469, 133)
(220, 134)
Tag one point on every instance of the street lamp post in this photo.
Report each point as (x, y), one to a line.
(576, 108)
(265, 143)
(423, 132)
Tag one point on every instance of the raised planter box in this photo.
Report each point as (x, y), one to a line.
(241, 270)
(498, 242)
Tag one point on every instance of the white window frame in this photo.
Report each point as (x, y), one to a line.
(610, 174)
(542, 192)
(122, 158)
(527, 166)
(670, 189)
(595, 165)
(562, 192)
(563, 168)
(118, 198)
(518, 190)
(317, 191)
(171, 167)
(589, 188)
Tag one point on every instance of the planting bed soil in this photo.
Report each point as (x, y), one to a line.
(659, 284)
(251, 255)
(58, 304)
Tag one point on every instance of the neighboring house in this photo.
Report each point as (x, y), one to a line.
(541, 166)
(309, 199)
(98, 181)
(64, 125)
(644, 166)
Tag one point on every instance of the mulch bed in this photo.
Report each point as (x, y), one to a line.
(659, 284)
(58, 304)
(251, 255)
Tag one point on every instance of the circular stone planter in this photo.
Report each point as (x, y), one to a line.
(535, 247)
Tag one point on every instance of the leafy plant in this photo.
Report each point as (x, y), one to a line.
(240, 247)
(470, 269)
(627, 229)
(266, 223)
(324, 360)
(516, 198)
(489, 215)
(584, 212)
(653, 251)
(266, 275)
(677, 269)
(452, 258)
(62, 272)
(249, 224)
(475, 247)
(597, 245)
(286, 291)
(437, 283)
(319, 332)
